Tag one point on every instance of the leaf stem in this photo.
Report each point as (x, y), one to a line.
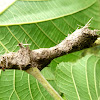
(34, 71)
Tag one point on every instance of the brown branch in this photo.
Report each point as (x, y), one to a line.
(25, 58)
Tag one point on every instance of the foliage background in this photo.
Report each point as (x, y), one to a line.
(44, 24)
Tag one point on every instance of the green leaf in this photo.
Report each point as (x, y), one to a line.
(32, 0)
(23, 12)
(43, 24)
(18, 85)
(47, 73)
(42, 34)
(4, 4)
(80, 81)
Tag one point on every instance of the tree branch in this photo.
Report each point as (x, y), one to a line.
(25, 58)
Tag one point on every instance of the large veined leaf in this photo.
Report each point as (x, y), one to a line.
(4, 4)
(46, 33)
(42, 24)
(30, 12)
(80, 81)
(18, 85)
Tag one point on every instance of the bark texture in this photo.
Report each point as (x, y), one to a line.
(25, 58)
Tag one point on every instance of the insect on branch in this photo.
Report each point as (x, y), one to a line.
(25, 58)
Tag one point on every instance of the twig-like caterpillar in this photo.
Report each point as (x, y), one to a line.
(25, 58)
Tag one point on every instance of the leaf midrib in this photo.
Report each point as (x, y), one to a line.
(49, 18)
